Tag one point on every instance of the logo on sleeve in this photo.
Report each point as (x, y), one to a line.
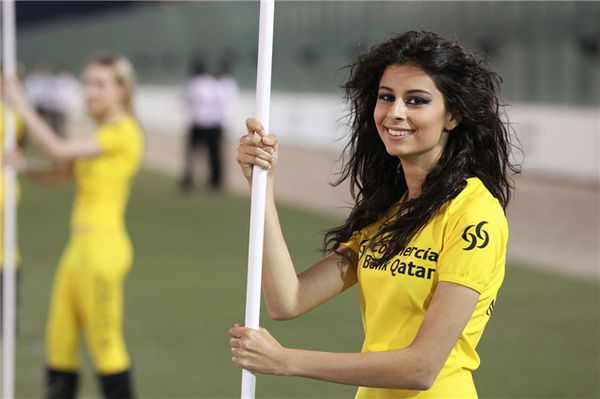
(490, 308)
(476, 238)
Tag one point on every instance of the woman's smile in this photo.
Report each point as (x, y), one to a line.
(399, 133)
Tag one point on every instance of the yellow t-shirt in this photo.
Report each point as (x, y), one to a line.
(464, 243)
(103, 182)
(20, 131)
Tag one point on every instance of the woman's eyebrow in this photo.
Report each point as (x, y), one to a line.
(412, 91)
(417, 91)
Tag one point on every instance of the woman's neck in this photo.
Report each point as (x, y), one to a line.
(416, 168)
(414, 176)
(415, 173)
(111, 116)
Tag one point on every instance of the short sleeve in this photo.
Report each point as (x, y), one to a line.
(354, 242)
(109, 140)
(474, 248)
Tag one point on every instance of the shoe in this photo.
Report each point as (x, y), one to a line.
(116, 386)
(61, 384)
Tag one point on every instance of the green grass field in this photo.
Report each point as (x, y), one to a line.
(187, 288)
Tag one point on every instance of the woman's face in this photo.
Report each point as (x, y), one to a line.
(102, 91)
(410, 115)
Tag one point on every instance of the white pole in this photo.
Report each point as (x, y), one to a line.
(9, 247)
(259, 184)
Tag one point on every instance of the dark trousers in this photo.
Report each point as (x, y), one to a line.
(198, 137)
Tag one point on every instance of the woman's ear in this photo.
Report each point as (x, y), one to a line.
(453, 119)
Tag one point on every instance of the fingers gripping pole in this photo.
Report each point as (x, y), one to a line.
(259, 183)
(9, 227)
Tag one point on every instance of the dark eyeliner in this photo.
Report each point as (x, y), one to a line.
(418, 101)
(385, 97)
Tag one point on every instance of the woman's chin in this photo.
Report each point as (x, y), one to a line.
(395, 151)
(95, 114)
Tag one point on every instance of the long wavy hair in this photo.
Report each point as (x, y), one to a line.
(478, 147)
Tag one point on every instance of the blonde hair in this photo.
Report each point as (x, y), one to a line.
(124, 73)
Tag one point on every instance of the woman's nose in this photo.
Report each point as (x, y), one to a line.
(398, 111)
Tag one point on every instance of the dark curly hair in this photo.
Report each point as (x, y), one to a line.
(478, 147)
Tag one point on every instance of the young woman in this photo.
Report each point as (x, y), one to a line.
(426, 239)
(88, 289)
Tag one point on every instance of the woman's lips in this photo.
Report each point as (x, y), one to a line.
(399, 134)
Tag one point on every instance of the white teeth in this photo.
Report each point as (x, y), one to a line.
(399, 132)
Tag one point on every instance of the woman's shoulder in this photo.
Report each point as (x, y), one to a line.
(476, 200)
(130, 124)
(127, 128)
(124, 123)
(124, 133)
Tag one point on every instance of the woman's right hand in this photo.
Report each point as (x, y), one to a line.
(257, 148)
(13, 92)
(17, 160)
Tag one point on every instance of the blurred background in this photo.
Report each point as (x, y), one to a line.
(188, 283)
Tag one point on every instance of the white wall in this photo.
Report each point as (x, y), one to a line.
(557, 141)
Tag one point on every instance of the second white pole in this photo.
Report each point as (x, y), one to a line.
(9, 228)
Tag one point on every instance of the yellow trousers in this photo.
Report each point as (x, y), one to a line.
(87, 297)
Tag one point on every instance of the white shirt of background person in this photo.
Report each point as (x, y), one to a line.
(229, 92)
(203, 98)
(38, 87)
(66, 93)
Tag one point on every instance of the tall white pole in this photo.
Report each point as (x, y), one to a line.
(9, 247)
(259, 184)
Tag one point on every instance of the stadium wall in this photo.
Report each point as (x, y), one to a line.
(557, 141)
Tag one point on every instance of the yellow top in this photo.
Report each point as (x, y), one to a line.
(103, 182)
(20, 132)
(464, 243)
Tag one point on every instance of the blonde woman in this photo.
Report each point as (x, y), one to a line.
(87, 294)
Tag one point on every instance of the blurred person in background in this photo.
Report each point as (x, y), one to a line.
(38, 85)
(208, 98)
(63, 99)
(428, 159)
(87, 294)
(228, 85)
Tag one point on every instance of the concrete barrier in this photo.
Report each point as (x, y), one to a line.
(557, 141)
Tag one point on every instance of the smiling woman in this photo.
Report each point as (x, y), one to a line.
(426, 239)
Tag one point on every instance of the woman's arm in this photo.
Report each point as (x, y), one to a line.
(287, 294)
(48, 174)
(414, 367)
(53, 146)
(38, 171)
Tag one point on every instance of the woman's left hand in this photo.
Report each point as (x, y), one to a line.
(257, 351)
